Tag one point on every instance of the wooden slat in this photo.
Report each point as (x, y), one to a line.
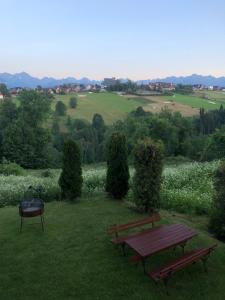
(122, 227)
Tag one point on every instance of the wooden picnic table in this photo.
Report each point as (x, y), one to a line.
(159, 239)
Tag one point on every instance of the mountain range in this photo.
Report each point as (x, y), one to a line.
(25, 80)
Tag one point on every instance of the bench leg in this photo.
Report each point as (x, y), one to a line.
(204, 261)
(182, 246)
(165, 281)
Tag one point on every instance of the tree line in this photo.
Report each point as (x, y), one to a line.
(31, 134)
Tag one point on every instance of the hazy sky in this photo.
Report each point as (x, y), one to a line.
(138, 39)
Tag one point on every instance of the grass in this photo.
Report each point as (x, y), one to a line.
(111, 106)
(213, 95)
(194, 101)
(73, 258)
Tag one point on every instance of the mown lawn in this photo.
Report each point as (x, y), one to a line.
(73, 258)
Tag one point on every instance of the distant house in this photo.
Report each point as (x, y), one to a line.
(77, 89)
(109, 81)
(1, 97)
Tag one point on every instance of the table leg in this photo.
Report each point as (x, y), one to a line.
(143, 264)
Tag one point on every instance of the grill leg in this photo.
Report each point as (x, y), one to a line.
(42, 223)
(21, 224)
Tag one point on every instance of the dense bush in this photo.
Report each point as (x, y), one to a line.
(60, 108)
(71, 179)
(147, 177)
(215, 149)
(8, 168)
(73, 102)
(217, 220)
(117, 167)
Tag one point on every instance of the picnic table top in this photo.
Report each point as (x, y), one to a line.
(160, 238)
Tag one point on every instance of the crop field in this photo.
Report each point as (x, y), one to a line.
(111, 106)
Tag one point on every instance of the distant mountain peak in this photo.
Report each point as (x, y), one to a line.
(25, 80)
(206, 80)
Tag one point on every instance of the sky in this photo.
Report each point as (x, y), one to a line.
(136, 39)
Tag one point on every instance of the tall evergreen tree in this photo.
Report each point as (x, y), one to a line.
(71, 179)
(147, 178)
(117, 178)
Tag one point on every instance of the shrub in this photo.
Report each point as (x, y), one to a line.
(8, 168)
(73, 102)
(147, 177)
(71, 179)
(217, 219)
(117, 167)
(60, 108)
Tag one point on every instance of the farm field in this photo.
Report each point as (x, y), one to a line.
(74, 258)
(111, 106)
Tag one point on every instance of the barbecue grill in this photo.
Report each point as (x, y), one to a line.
(29, 208)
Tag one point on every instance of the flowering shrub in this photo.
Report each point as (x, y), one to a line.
(12, 188)
(187, 188)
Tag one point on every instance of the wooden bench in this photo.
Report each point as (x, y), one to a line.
(117, 228)
(166, 271)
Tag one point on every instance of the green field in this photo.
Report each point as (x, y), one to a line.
(74, 259)
(214, 100)
(111, 106)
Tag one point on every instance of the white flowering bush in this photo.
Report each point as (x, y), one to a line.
(186, 188)
(94, 180)
(189, 187)
(12, 188)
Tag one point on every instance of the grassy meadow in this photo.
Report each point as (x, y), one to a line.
(110, 105)
(196, 101)
(114, 107)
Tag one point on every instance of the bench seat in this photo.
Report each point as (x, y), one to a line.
(189, 258)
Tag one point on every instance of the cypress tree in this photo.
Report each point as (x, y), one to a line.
(147, 178)
(71, 179)
(117, 178)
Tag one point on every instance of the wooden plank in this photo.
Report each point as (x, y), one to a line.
(181, 262)
(122, 227)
